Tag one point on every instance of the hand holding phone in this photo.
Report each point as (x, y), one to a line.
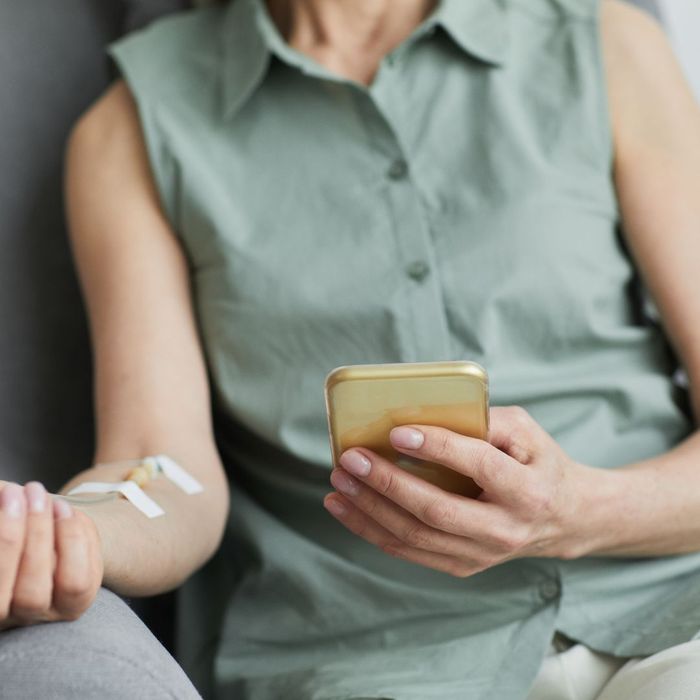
(364, 402)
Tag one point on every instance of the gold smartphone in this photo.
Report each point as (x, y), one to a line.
(364, 402)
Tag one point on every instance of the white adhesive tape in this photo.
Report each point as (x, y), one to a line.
(173, 471)
(130, 490)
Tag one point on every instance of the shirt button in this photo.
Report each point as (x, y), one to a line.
(398, 169)
(418, 270)
(549, 589)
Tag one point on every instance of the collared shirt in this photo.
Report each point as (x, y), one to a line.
(460, 207)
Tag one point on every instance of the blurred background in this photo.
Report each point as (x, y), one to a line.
(682, 17)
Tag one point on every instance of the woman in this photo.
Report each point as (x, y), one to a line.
(307, 183)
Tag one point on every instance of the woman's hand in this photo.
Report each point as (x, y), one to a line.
(50, 557)
(529, 506)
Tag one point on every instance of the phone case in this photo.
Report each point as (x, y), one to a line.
(364, 402)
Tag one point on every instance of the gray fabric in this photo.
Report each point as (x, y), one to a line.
(107, 653)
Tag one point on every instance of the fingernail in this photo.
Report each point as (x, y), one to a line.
(61, 509)
(12, 501)
(344, 483)
(355, 463)
(335, 507)
(409, 438)
(36, 496)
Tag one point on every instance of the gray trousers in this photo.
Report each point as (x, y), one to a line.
(108, 653)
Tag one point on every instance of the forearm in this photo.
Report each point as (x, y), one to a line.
(145, 556)
(649, 508)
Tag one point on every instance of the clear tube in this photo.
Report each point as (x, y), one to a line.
(87, 499)
(84, 499)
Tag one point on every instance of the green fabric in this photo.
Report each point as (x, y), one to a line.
(460, 208)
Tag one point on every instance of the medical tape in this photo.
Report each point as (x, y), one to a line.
(131, 491)
(173, 471)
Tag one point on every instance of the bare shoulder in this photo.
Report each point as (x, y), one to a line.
(107, 160)
(635, 43)
(112, 118)
(106, 150)
(649, 95)
(623, 21)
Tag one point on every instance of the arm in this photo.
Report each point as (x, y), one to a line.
(151, 391)
(653, 507)
(151, 396)
(536, 500)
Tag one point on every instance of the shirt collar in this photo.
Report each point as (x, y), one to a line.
(478, 27)
(250, 38)
(246, 54)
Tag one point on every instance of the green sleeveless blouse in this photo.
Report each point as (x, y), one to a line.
(461, 207)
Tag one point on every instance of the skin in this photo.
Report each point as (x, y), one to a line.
(348, 38)
(151, 391)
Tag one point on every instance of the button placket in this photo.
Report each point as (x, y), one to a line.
(423, 331)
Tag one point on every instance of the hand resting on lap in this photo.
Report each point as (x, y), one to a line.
(50, 558)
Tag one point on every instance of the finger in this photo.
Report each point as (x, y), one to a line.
(12, 528)
(74, 585)
(513, 431)
(33, 588)
(405, 527)
(439, 509)
(493, 470)
(363, 526)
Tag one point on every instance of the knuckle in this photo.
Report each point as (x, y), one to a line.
(31, 603)
(484, 464)
(460, 570)
(70, 609)
(10, 537)
(416, 535)
(393, 549)
(442, 445)
(73, 586)
(439, 514)
(369, 505)
(509, 539)
(386, 484)
(519, 416)
(482, 456)
(522, 434)
(539, 498)
(539, 501)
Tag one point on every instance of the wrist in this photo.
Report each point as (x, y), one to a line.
(592, 519)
